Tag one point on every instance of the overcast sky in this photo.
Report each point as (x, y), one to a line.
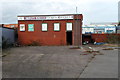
(92, 10)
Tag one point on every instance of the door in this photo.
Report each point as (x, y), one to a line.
(69, 33)
(69, 37)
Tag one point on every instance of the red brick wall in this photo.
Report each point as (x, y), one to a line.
(50, 37)
(101, 37)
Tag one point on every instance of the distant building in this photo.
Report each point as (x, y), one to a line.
(110, 29)
(100, 29)
(86, 30)
(105, 24)
(11, 25)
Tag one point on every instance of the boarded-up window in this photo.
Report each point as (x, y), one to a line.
(30, 27)
(56, 26)
(22, 27)
(44, 26)
(69, 27)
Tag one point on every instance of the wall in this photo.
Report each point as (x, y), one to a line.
(101, 37)
(0, 36)
(50, 37)
(77, 33)
(8, 34)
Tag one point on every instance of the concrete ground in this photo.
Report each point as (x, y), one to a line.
(59, 62)
(103, 66)
(44, 62)
(0, 63)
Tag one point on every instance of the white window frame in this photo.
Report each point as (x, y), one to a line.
(68, 28)
(44, 27)
(22, 25)
(56, 26)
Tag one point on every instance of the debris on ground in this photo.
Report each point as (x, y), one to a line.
(74, 47)
(108, 49)
(84, 54)
(100, 43)
(93, 57)
(5, 52)
(4, 55)
(92, 51)
(111, 45)
(98, 54)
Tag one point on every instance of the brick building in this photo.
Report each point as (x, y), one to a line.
(50, 29)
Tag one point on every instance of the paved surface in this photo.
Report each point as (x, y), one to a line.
(0, 63)
(59, 62)
(44, 62)
(103, 66)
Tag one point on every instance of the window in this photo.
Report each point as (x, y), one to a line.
(110, 31)
(69, 27)
(22, 27)
(44, 26)
(56, 26)
(30, 27)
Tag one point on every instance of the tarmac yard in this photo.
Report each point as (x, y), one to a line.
(59, 62)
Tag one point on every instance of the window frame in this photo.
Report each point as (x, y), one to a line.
(42, 27)
(54, 26)
(33, 28)
(67, 27)
(20, 28)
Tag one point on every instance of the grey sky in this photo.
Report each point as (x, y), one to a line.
(92, 10)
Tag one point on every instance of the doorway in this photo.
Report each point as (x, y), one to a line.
(69, 37)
